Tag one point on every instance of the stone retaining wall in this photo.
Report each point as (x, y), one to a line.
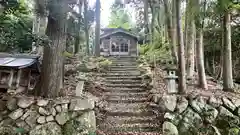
(192, 115)
(61, 116)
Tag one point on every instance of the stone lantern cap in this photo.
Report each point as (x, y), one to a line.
(171, 70)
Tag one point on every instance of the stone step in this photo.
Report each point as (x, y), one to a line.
(123, 77)
(122, 58)
(135, 85)
(128, 109)
(124, 90)
(122, 67)
(130, 113)
(124, 63)
(117, 99)
(120, 74)
(134, 133)
(131, 119)
(125, 72)
(132, 94)
(138, 127)
(127, 81)
(133, 59)
(116, 106)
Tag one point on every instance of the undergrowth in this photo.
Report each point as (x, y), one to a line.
(157, 50)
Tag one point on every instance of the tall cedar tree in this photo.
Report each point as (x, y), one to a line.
(227, 53)
(190, 31)
(86, 26)
(199, 46)
(52, 73)
(146, 20)
(171, 26)
(77, 38)
(181, 55)
(97, 29)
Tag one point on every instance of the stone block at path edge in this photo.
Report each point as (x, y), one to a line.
(79, 104)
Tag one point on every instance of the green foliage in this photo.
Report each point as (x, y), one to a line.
(105, 64)
(20, 130)
(15, 28)
(67, 54)
(94, 64)
(75, 127)
(224, 5)
(10, 4)
(234, 131)
(119, 17)
(158, 50)
(213, 45)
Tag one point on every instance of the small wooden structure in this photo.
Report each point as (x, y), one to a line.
(19, 72)
(118, 41)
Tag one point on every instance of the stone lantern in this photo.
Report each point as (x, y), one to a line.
(171, 80)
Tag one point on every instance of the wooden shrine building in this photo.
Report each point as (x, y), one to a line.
(18, 72)
(118, 41)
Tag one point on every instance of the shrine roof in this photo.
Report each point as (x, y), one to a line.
(111, 31)
(17, 60)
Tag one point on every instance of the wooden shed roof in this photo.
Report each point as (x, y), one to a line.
(17, 61)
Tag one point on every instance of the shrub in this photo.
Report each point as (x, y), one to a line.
(158, 50)
(105, 64)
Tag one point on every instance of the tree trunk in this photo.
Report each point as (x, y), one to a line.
(186, 25)
(77, 38)
(146, 30)
(52, 73)
(220, 77)
(227, 54)
(171, 26)
(77, 44)
(153, 22)
(191, 52)
(39, 24)
(174, 30)
(86, 26)
(35, 30)
(200, 60)
(190, 39)
(97, 29)
(182, 71)
(199, 22)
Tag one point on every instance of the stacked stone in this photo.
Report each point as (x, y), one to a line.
(189, 114)
(53, 116)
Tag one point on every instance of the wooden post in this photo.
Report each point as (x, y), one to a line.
(119, 47)
(129, 47)
(110, 46)
(137, 49)
(11, 78)
(19, 74)
(29, 80)
(0, 75)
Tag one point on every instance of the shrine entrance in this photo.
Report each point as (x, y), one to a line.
(119, 46)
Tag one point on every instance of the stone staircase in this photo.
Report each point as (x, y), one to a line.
(127, 111)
